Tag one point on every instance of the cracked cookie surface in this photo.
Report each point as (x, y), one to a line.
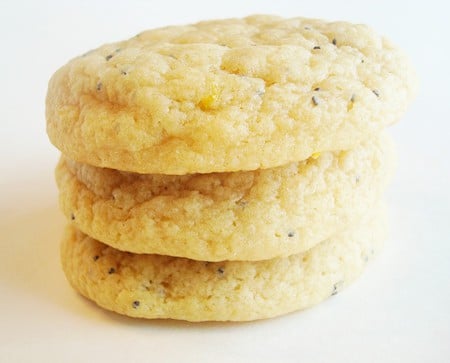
(227, 95)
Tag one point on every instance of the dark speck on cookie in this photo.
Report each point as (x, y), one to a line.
(337, 287)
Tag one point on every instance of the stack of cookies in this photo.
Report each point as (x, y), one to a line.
(227, 170)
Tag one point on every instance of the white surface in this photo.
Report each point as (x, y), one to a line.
(399, 311)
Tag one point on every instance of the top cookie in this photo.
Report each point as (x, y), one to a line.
(227, 95)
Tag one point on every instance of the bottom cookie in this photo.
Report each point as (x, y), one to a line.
(155, 286)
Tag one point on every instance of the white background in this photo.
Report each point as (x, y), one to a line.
(399, 311)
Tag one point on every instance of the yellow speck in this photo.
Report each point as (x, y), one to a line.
(315, 155)
(208, 102)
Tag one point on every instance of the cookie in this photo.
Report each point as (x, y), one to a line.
(227, 95)
(155, 286)
(249, 215)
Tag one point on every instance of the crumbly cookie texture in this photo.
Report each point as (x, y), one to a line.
(227, 95)
(155, 286)
(250, 215)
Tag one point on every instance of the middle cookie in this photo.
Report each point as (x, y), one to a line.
(251, 215)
